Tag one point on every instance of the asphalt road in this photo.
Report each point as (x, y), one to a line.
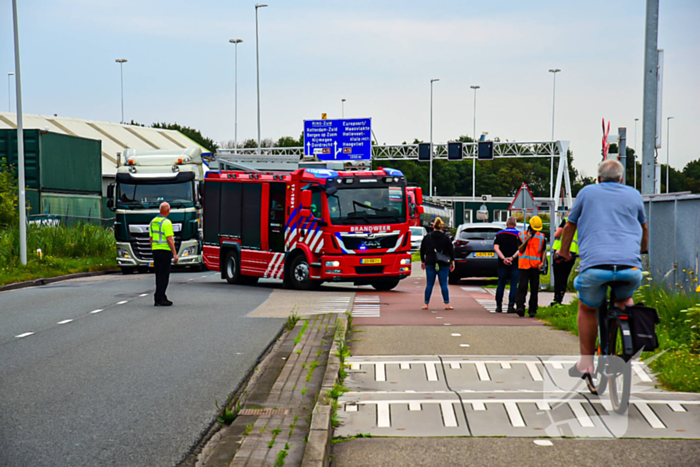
(131, 384)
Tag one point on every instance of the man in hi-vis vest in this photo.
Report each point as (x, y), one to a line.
(532, 253)
(163, 247)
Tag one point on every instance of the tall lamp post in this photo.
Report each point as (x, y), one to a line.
(342, 104)
(235, 94)
(554, 72)
(475, 147)
(635, 152)
(431, 134)
(668, 149)
(20, 144)
(257, 65)
(9, 98)
(121, 62)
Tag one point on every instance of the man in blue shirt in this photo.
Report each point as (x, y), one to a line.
(612, 235)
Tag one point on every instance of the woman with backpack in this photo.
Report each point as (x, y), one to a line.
(437, 258)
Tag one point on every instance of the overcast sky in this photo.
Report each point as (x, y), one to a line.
(379, 55)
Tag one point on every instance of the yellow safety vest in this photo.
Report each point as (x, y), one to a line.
(574, 243)
(532, 257)
(160, 229)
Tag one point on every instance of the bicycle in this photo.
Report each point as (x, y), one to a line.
(615, 352)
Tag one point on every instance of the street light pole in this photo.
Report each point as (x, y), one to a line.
(20, 145)
(235, 95)
(9, 98)
(635, 152)
(475, 147)
(257, 65)
(342, 103)
(431, 134)
(668, 149)
(121, 62)
(554, 72)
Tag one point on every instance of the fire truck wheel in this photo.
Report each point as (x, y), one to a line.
(386, 284)
(300, 274)
(232, 268)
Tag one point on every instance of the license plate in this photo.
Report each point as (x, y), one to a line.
(483, 255)
(371, 261)
(150, 265)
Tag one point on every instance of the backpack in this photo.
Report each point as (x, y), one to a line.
(643, 321)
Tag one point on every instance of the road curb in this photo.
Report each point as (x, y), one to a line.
(318, 448)
(49, 280)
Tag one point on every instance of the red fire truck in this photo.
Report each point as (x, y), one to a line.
(307, 226)
(415, 205)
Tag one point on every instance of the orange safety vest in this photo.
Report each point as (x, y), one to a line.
(532, 258)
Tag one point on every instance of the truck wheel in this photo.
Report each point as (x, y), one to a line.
(300, 274)
(385, 284)
(128, 270)
(232, 268)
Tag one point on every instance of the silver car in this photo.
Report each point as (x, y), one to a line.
(417, 234)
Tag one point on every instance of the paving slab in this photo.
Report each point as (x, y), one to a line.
(461, 340)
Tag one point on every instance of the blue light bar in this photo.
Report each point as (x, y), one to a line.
(323, 173)
(393, 172)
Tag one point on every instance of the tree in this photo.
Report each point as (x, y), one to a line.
(290, 142)
(9, 194)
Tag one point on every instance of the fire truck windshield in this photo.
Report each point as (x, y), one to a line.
(177, 194)
(380, 205)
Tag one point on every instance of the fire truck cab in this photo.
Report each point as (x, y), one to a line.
(308, 226)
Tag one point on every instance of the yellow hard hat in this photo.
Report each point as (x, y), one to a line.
(536, 223)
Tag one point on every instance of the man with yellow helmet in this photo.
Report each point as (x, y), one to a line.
(532, 254)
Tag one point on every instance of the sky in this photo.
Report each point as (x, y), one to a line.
(378, 55)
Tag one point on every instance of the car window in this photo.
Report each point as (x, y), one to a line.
(417, 231)
(479, 233)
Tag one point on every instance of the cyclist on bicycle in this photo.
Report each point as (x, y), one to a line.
(612, 235)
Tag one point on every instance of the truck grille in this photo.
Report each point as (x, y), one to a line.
(369, 269)
(357, 242)
(141, 244)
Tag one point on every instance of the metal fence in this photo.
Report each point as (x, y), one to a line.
(674, 238)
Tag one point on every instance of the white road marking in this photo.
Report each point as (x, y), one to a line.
(354, 366)
(95, 311)
(430, 371)
(456, 334)
(516, 419)
(350, 407)
(24, 335)
(581, 414)
(676, 407)
(65, 321)
(505, 365)
(542, 405)
(478, 406)
(543, 442)
(641, 373)
(464, 345)
(482, 371)
(383, 418)
(455, 365)
(379, 373)
(448, 324)
(143, 295)
(405, 366)
(534, 371)
(122, 302)
(448, 414)
(414, 406)
(558, 366)
(649, 414)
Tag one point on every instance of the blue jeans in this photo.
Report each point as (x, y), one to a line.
(507, 274)
(442, 274)
(591, 284)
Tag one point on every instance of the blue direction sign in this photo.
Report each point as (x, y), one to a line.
(338, 140)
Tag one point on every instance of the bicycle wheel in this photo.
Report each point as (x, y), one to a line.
(619, 369)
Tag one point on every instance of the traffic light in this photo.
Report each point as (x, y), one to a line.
(424, 151)
(454, 151)
(485, 150)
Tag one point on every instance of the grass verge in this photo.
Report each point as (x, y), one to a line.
(677, 360)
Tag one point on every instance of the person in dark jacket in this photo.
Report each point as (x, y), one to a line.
(435, 242)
